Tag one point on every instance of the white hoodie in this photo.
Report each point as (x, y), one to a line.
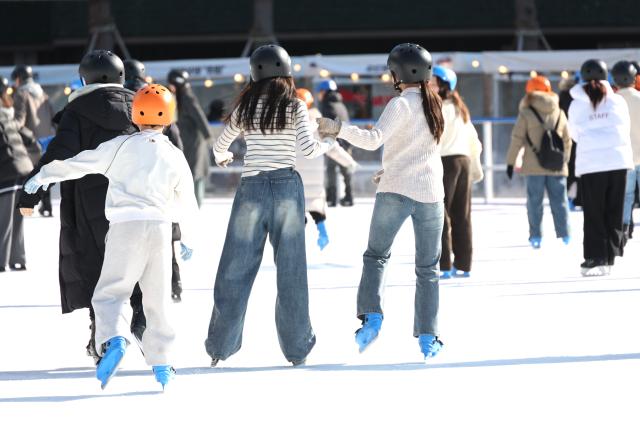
(149, 179)
(632, 96)
(602, 136)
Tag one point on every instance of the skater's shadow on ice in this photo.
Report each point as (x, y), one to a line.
(410, 366)
(65, 398)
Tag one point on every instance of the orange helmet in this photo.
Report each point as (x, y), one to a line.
(538, 83)
(153, 105)
(305, 96)
(637, 82)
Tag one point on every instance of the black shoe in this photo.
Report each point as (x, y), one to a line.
(3, 269)
(346, 202)
(214, 361)
(91, 346)
(138, 324)
(176, 297)
(299, 362)
(45, 213)
(18, 267)
(331, 203)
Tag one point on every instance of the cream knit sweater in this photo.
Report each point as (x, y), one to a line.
(411, 158)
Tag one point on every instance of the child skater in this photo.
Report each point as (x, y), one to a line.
(149, 182)
(269, 202)
(312, 173)
(410, 127)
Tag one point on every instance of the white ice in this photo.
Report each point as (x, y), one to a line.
(528, 341)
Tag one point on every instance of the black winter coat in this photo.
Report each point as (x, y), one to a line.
(195, 132)
(85, 123)
(14, 158)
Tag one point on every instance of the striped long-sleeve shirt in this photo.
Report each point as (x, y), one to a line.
(277, 150)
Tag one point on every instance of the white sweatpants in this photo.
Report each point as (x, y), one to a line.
(136, 251)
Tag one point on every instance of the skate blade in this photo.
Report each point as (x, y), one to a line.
(214, 362)
(598, 271)
(365, 346)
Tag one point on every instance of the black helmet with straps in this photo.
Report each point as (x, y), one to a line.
(409, 63)
(178, 77)
(23, 72)
(133, 70)
(269, 61)
(101, 66)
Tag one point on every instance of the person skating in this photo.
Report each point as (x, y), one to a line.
(312, 173)
(624, 77)
(149, 185)
(459, 148)
(411, 185)
(96, 112)
(34, 111)
(600, 125)
(539, 112)
(135, 79)
(15, 165)
(269, 202)
(331, 106)
(194, 129)
(573, 182)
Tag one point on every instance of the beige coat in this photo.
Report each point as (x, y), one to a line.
(527, 124)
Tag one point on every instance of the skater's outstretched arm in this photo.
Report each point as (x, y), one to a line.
(394, 116)
(86, 162)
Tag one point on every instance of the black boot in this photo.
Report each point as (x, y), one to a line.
(91, 346)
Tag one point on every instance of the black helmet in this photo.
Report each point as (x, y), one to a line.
(593, 69)
(101, 66)
(624, 74)
(4, 85)
(409, 63)
(23, 72)
(134, 70)
(269, 61)
(178, 77)
(636, 65)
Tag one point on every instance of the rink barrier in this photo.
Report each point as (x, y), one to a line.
(489, 167)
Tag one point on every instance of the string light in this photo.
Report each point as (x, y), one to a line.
(385, 78)
(564, 74)
(10, 91)
(208, 83)
(533, 74)
(324, 73)
(67, 91)
(355, 76)
(297, 67)
(238, 78)
(148, 79)
(475, 63)
(502, 69)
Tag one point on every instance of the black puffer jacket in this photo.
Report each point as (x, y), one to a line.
(14, 159)
(195, 132)
(95, 114)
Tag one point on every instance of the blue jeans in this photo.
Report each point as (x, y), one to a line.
(389, 213)
(271, 203)
(557, 190)
(633, 176)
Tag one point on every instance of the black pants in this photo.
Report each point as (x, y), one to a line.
(602, 206)
(331, 181)
(456, 232)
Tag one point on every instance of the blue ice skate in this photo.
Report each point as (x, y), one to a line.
(323, 238)
(566, 240)
(446, 274)
(430, 345)
(164, 374)
(460, 274)
(535, 242)
(369, 331)
(108, 365)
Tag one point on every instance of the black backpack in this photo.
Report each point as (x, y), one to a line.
(551, 152)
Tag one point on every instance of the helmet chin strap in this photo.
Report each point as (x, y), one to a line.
(396, 84)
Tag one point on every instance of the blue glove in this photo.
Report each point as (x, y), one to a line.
(185, 252)
(32, 185)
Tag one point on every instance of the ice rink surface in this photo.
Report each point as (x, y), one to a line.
(528, 341)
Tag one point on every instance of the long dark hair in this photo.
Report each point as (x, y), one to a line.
(432, 107)
(596, 92)
(277, 93)
(445, 92)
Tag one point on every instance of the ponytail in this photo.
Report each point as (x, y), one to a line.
(596, 92)
(432, 106)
